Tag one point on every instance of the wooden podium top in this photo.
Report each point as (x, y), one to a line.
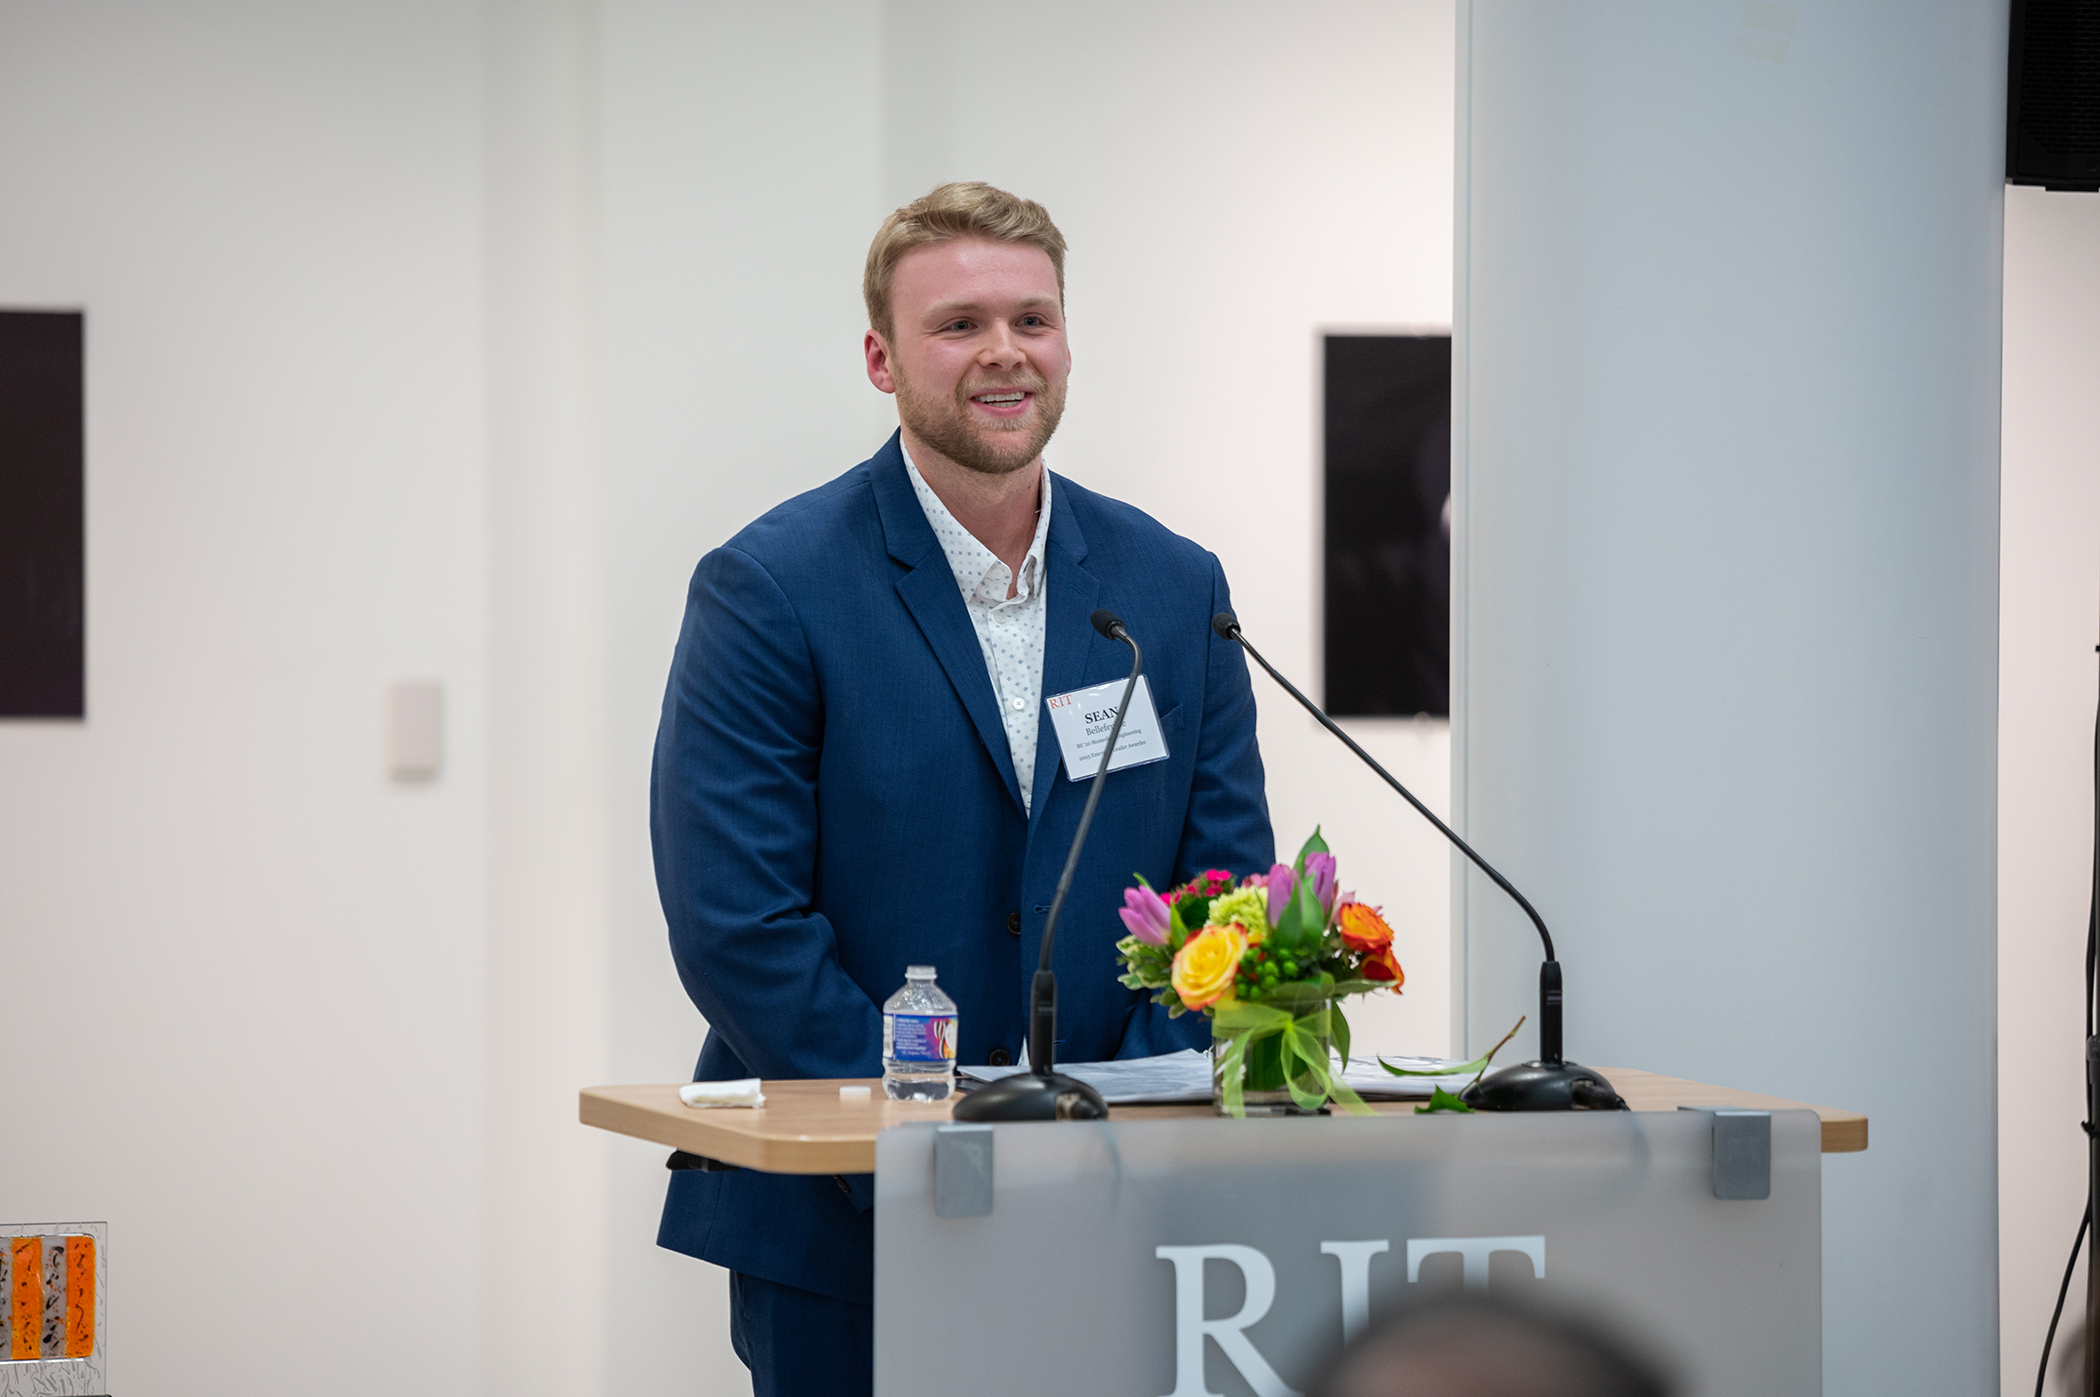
(805, 1128)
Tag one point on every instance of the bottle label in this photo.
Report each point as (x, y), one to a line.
(919, 1037)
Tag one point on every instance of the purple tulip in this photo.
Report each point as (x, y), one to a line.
(1145, 913)
(1320, 868)
(1282, 883)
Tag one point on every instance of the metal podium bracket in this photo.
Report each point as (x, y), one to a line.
(1742, 1151)
(962, 1171)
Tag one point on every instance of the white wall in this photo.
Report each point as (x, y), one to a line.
(739, 157)
(547, 965)
(2049, 610)
(1726, 597)
(257, 963)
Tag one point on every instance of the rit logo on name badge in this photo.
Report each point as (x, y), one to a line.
(1083, 717)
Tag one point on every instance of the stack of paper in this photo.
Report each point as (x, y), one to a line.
(1185, 1076)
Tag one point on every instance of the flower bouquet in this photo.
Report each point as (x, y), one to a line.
(1268, 958)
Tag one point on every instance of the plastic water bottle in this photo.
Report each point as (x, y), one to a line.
(918, 1040)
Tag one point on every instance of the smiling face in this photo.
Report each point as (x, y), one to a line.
(977, 354)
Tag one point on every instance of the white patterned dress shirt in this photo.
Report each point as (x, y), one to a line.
(1010, 631)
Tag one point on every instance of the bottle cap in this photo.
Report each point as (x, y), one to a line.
(918, 972)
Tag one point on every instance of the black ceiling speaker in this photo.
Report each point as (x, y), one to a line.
(2052, 120)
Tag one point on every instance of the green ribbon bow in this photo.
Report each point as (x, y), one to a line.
(1303, 1050)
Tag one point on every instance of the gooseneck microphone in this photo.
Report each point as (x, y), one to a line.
(1550, 1084)
(1040, 1093)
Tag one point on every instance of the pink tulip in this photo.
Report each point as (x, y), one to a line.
(1145, 914)
(1282, 883)
(1320, 868)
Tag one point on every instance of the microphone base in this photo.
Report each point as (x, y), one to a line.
(1543, 1086)
(1033, 1096)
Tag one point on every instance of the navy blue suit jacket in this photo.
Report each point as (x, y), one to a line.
(833, 799)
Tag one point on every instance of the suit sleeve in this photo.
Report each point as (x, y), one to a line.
(1228, 813)
(733, 823)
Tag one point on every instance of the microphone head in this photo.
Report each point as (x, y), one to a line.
(1107, 622)
(1226, 625)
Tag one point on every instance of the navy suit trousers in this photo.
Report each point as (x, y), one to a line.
(798, 1343)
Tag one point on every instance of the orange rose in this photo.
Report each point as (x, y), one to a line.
(1364, 930)
(1382, 966)
(1205, 965)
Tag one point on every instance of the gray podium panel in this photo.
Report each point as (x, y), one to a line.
(1190, 1257)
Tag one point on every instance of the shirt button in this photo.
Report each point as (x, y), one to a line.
(1019, 706)
(1013, 924)
(1001, 1058)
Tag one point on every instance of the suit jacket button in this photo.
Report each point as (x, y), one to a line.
(1001, 1057)
(1013, 928)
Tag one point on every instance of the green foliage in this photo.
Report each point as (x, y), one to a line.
(1300, 996)
(1312, 919)
(1313, 845)
(1247, 906)
(1192, 911)
(1441, 1100)
(1475, 1065)
(1289, 928)
(1149, 966)
(1478, 1066)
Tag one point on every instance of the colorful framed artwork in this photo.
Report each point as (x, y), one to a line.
(54, 1284)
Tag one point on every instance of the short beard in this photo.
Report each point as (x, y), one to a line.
(988, 448)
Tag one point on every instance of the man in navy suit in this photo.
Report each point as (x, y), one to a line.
(854, 772)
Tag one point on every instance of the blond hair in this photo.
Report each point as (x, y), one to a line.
(967, 209)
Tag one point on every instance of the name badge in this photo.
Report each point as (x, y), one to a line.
(1083, 717)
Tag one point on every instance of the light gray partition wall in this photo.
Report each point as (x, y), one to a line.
(1724, 633)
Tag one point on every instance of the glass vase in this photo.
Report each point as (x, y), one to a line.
(1264, 1089)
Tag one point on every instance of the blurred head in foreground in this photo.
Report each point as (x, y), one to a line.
(1466, 1344)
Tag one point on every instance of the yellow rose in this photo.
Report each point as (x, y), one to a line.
(1205, 965)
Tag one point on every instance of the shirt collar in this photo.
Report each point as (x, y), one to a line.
(978, 571)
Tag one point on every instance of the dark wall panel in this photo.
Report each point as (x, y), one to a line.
(43, 539)
(1387, 429)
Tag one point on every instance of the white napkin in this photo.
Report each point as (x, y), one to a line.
(702, 1095)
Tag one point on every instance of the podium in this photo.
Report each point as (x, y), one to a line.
(1169, 1253)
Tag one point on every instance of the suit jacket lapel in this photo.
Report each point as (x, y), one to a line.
(1072, 649)
(929, 592)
